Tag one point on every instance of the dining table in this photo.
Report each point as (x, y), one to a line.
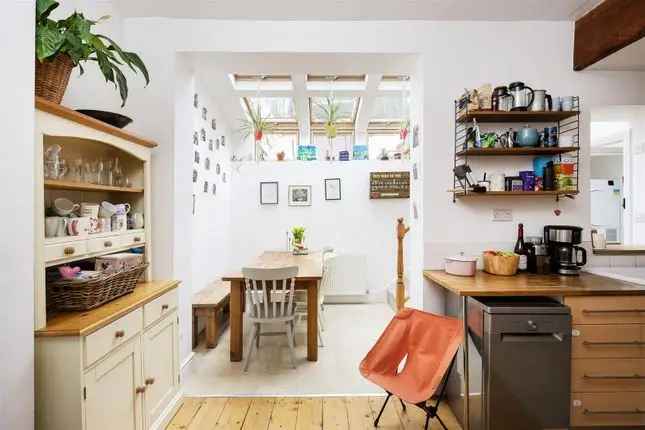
(308, 278)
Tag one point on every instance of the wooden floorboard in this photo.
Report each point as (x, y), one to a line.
(301, 413)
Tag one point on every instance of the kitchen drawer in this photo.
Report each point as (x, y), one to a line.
(109, 337)
(607, 409)
(159, 307)
(607, 341)
(106, 243)
(59, 251)
(133, 238)
(607, 374)
(607, 309)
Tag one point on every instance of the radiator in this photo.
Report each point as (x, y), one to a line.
(348, 279)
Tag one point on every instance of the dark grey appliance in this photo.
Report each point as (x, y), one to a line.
(519, 364)
(566, 257)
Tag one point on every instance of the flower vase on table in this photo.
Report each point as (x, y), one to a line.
(298, 243)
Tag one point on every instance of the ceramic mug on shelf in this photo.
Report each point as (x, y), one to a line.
(557, 104)
(107, 209)
(78, 226)
(122, 208)
(136, 220)
(567, 103)
(119, 223)
(89, 210)
(55, 226)
(64, 207)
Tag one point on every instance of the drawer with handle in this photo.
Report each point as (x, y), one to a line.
(160, 307)
(607, 309)
(133, 239)
(607, 375)
(60, 251)
(607, 409)
(608, 341)
(102, 341)
(99, 244)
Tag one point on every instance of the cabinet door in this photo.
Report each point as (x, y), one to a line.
(111, 398)
(160, 366)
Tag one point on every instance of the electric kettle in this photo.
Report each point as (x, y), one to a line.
(523, 96)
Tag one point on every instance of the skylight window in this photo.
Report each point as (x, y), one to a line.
(336, 82)
(394, 83)
(261, 82)
(347, 111)
(390, 108)
(273, 109)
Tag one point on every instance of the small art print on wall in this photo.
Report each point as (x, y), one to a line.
(196, 157)
(205, 186)
(204, 113)
(207, 163)
(332, 189)
(196, 138)
(210, 145)
(269, 193)
(195, 175)
(214, 124)
(222, 140)
(195, 100)
(299, 195)
(214, 189)
(415, 136)
(202, 132)
(217, 144)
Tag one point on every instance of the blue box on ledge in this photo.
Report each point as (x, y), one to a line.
(307, 153)
(361, 152)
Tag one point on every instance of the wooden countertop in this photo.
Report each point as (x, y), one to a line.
(309, 266)
(620, 250)
(484, 284)
(84, 323)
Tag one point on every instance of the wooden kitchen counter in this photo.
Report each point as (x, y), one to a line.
(484, 284)
(84, 323)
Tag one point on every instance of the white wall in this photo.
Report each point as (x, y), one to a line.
(17, 220)
(606, 166)
(353, 225)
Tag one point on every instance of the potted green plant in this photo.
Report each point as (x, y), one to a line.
(298, 245)
(256, 124)
(404, 130)
(67, 43)
(331, 109)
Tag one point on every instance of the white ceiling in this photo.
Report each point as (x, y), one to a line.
(631, 58)
(484, 10)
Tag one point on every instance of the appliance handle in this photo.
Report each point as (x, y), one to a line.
(532, 337)
(532, 95)
(612, 311)
(626, 343)
(579, 249)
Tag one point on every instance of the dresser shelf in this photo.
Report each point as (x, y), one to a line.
(55, 184)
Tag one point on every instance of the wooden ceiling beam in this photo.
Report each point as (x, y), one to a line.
(609, 27)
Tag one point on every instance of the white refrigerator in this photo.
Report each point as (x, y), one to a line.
(607, 208)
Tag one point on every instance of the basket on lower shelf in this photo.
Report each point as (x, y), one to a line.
(71, 295)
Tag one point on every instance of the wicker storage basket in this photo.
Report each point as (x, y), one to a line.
(81, 296)
(52, 77)
(501, 264)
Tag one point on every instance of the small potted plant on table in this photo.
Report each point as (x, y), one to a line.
(298, 243)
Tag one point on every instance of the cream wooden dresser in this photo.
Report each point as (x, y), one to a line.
(115, 366)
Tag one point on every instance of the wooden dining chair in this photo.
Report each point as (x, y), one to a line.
(270, 300)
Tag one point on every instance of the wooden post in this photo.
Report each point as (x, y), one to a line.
(401, 231)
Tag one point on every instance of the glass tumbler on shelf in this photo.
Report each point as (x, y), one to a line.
(76, 170)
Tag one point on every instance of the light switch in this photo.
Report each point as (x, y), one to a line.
(502, 215)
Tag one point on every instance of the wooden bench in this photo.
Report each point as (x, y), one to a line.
(211, 303)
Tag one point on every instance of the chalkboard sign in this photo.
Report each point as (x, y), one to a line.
(389, 185)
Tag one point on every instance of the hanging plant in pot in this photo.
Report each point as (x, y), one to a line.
(67, 43)
(330, 109)
(405, 130)
(255, 124)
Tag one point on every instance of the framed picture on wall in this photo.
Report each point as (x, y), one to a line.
(332, 189)
(269, 193)
(299, 195)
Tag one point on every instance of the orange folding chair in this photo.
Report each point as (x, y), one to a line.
(428, 344)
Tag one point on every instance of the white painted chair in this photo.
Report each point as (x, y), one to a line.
(301, 297)
(270, 300)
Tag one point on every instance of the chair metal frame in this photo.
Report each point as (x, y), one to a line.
(432, 411)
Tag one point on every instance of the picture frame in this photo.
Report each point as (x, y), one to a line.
(299, 195)
(415, 136)
(269, 193)
(332, 189)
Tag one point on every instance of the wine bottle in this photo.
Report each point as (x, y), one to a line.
(520, 248)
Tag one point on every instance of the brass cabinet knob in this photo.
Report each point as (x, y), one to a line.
(119, 333)
(69, 250)
(137, 239)
(150, 381)
(107, 243)
(140, 390)
(164, 308)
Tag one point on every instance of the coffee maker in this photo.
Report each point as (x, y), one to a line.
(566, 257)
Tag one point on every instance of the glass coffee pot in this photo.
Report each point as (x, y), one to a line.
(523, 96)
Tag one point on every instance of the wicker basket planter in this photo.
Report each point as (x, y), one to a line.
(82, 296)
(52, 77)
